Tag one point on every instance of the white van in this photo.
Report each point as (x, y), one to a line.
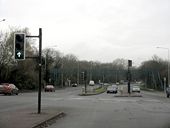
(91, 83)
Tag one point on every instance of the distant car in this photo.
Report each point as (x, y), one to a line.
(49, 88)
(117, 83)
(74, 85)
(168, 92)
(106, 84)
(135, 89)
(10, 89)
(91, 83)
(112, 89)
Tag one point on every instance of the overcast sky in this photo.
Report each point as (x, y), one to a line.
(100, 30)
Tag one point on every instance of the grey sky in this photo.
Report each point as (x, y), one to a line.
(100, 30)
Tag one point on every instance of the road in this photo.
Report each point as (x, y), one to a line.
(99, 111)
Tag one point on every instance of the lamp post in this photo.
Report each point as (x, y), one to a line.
(168, 65)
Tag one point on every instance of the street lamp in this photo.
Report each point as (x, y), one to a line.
(168, 63)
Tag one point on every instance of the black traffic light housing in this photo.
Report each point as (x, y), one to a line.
(19, 46)
(82, 76)
(129, 63)
(85, 75)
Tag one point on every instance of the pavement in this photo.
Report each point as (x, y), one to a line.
(28, 118)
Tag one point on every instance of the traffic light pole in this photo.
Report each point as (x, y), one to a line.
(85, 86)
(129, 74)
(40, 66)
(129, 80)
(85, 81)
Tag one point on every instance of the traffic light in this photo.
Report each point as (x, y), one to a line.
(19, 46)
(129, 63)
(82, 76)
(85, 75)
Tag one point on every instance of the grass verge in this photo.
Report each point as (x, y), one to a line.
(95, 92)
(100, 90)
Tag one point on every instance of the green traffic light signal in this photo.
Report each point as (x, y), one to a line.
(19, 46)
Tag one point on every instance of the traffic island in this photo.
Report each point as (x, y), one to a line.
(95, 91)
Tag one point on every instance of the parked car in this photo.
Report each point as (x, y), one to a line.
(49, 88)
(112, 89)
(10, 89)
(135, 89)
(1, 89)
(168, 92)
(74, 85)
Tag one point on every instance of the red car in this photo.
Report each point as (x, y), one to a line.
(10, 89)
(49, 88)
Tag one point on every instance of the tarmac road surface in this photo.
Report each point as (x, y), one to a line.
(98, 111)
